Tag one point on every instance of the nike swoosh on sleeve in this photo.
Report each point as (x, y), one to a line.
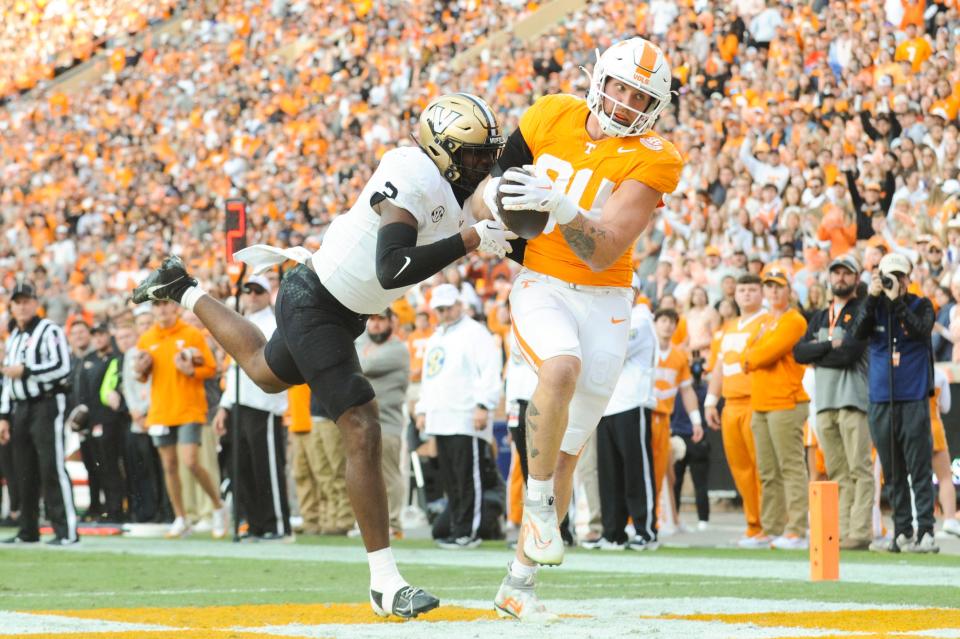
(402, 268)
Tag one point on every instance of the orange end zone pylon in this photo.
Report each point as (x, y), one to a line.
(824, 531)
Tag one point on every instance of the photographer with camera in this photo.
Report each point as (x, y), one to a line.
(840, 374)
(898, 325)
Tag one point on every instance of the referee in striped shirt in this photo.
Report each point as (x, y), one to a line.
(32, 406)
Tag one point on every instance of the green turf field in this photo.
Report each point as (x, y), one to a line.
(115, 588)
(86, 576)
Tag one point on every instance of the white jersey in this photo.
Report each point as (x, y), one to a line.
(635, 386)
(347, 260)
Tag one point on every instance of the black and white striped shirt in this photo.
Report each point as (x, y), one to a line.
(41, 347)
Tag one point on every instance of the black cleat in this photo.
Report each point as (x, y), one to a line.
(17, 539)
(62, 541)
(166, 283)
(407, 603)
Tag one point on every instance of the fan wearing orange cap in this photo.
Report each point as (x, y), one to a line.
(779, 406)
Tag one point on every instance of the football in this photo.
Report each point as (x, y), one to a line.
(527, 224)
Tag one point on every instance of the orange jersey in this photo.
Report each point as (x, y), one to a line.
(175, 398)
(416, 344)
(735, 335)
(775, 377)
(672, 374)
(588, 171)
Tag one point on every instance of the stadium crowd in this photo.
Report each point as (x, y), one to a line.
(811, 131)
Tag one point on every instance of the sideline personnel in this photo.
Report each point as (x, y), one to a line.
(32, 408)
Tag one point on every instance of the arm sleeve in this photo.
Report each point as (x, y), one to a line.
(516, 153)
(808, 350)
(895, 128)
(386, 359)
(400, 262)
(229, 387)
(918, 324)
(889, 186)
(871, 132)
(846, 354)
(775, 345)
(747, 158)
(487, 386)
(866, 319)
(945, 399)
(209, 367)
(57, 363)
(6, 406)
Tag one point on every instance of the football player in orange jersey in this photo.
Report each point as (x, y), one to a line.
(600, 172)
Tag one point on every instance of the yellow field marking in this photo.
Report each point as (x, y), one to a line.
(220, 617)
(879, 621)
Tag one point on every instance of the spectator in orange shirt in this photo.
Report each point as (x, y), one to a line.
(671, 377)
(779, 406)
(177, 359)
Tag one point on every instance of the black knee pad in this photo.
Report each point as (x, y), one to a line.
(339, 390)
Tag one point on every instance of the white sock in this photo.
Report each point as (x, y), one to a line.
(384, 576)
(191, 296)
(521, 571)
(537, 489)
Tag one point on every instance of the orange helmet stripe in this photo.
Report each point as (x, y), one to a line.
(647, 62)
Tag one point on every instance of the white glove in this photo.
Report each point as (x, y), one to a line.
(493, 237)
(490, 197)
(536, 193)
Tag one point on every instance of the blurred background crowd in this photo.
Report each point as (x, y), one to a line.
(810, 129)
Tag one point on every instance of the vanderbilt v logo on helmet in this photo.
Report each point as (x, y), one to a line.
(442, 117)
(461, 135)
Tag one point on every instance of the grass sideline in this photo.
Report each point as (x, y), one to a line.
(47, 579)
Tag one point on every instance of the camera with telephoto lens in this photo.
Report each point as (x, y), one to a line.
(887, 282)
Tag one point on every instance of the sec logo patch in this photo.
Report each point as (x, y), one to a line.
(433, 364)
(654, 144)
(437, 214)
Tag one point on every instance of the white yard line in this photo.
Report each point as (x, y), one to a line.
(625, 562)
(19, 624)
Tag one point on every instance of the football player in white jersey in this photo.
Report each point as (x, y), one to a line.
(406, 225)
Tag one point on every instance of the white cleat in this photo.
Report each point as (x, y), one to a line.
(542, 543)
(220, 518)
(790, 542)
(951, 526)
(178, 529)
(517, 600)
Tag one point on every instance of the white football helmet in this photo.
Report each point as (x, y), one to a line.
(640, 64)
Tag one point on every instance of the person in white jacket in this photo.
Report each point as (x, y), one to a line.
(459, 391)
(261, 485)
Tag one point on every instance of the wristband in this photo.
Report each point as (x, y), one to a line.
(711, 401)
(695, 418)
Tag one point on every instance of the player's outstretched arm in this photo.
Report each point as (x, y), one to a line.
(400, 262)
(599, 243)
